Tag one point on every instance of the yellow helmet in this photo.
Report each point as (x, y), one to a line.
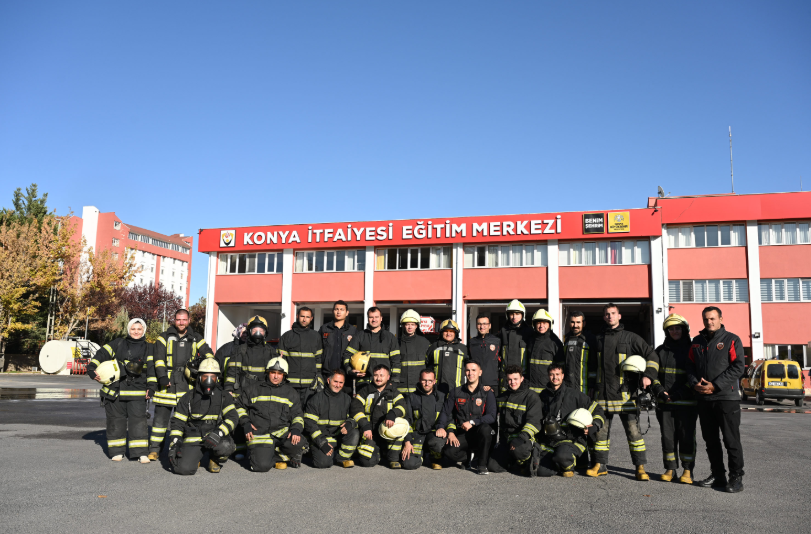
(449, 324)
(398, 430)
(543, 315)
(277, 364)
(675, 319)
(360, 361)
(255, 320)
(108, 372)
(410, 316)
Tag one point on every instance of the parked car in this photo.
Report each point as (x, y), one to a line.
(773, 379)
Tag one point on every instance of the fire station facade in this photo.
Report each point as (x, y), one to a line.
(750, 255)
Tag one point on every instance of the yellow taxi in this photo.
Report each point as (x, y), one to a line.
(773, 379)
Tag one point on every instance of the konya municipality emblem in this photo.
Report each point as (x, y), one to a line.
(227, 238)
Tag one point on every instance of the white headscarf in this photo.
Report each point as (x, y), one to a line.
(134, 321)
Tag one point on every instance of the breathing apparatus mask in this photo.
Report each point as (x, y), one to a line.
(208, 382)
(552, 430)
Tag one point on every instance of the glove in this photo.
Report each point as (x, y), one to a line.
(350, 424)
(150, 393)
(593, 430)
(212, 439)
(326, 447)
(163, 382)
(247, 428)
(91, 374)
(295, 432)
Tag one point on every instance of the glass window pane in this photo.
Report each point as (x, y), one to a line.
(700, 288)
(251, 263)
(279, 258)
(712, 236)
(505, 256)
(616, 253)
(360, 260)
(804, 235)
(481, 256)
(674, 291)
(223, 268)
(350, 260)
(402, 258)
(563, 254)
(778, 370)
(261, 260)
(589, 252)
(790, 233)
(698, 234)
(518, 255)
(540, 255)
(446, 257)
(806, 289)
(299, 262)
(728, 291)
(232, 266)
(575, 254)
(391, 259)
(310, 262)
(763, 234)
(242, 264)
(766, 290)
(469, 253)
(777, 234)
(793, 289)
(738, 235)
(319, 261)
(779, 290)
(331, 260)
(602, 252)
(425, 258)
(643, 252)
(340, 261)
(687, 291)
(726, 238)
(529, 255)
(713, 291)
(435, 259)
(672, 238)
(741, 290)
(492, 256)
(686, 237)
(628, 252)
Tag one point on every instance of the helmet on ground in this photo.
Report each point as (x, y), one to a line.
(108, 372)
(543, 315)
(360, 361)
(410, 316)
(634, 364)
(516, 306)
(675, 319)
(449, 324)
(398, 430)
(277, 364)
(581, 418)
(209, 365)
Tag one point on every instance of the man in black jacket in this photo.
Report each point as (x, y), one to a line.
(520, 411)
(424, 407)
(382, 346)
(514, 340)
(716, 363)
(301, 347)
(227, 351)
(413, 350)
(578, 346)
(467, 420)
(330, 426)
(447, 356)
(335, 337)
(485, 349)
(544, 348)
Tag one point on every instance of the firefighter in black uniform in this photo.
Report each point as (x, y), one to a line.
(514, 340)
(381, 345)
(544, 348)
(613, 392)
(335, 338)
(716, 363)
(333, 433)
(520, 413)
(564, 440)
(375, 403)
(676, 407)
(227, 351)
(577, 346)
(485, 349)
(271, 417)
(447, 357)
(124, 400)
(467, 420)
(424, 406)
(413, 351)
(177, 352)
(204, 420)
(302, 348)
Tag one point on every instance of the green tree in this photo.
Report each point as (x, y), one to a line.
(27, 206)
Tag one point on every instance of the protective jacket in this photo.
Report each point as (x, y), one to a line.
(326, 412)
(196, 415)
(383, 348)
(334, 342)
(462, 405)
(413, 351)
(558, 404)
(514, 341)
(543, 350)
(302, 349)
(172, 353)
(272, 409)
(447, 361)
(423, 411)
(249, 364)
(580, 372)
(371, 407)
(520, 411)
(670, 360)
(485, 351)
(613, 388)
(718, 358)
(125, 350)
(224, 355)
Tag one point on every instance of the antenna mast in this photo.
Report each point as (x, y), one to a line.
(731, 173)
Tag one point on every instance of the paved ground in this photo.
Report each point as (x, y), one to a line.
(55, 469)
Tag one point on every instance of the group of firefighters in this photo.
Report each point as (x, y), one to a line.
(522, 401)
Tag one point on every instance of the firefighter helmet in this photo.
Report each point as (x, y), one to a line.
(581, 418)
(209, 365)
(410, 316)
(543, 315)
(449, 324)
(398, 430)
(360, 361)
(675, 319)
(108, 372)
(277, 364)
(634, 364)
(516, 306)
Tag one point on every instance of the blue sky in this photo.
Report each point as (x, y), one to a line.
(187, 115)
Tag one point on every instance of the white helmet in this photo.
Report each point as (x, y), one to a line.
(410, 316)
(208, 365)
(398, 430)
(108, 372)
(277, 364)
(516, 306)
(634, 364)
(581, 418)
(543, 315)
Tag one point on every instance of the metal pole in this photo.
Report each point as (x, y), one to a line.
(86, 320)
(731, 174)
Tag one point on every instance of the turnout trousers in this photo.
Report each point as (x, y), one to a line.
(510, 451)
(602, 440)
(121, 416)
(160, 423)
(678, 427)
(370, 451)
(722, 416)
(265, 450)
(562, 457)
(477, 440)
(189, 455)
(343, 447)
(422, 442)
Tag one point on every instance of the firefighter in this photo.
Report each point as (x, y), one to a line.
(413, 351)
(520, 414)
(577, 347)
(485, 349)
(565, 432)
(335, 337)
(124, 399)
(424, 406)
(613, 391)
(514, 340)
(177, 353)
(467, 420)
(447, 357)
(676, 408)
(227, 351)
(302, 348)
(378, 403)
(204, 420)
(330, 426)
(271, 417)
(382, 347)
(716, 363)
(543, 349)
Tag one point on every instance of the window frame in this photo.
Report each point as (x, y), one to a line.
(768, 227)
(693, 283)
(603, 248)
(677, 233)
(772, 291)
(304, 255)
(383, 252)
(224, 259)
(542, 255)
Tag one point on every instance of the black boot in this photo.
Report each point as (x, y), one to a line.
(712, 481)
(735, 484)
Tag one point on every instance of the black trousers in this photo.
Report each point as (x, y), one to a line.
(420, 443)
(121, 415)
(190, 454)
(561, 457)
(510, 452)
(370, 451)
(160, 424)
(476, 440)
(678, 427)
(343, 448)
(722, 416)
(636, 443)
(266, 450)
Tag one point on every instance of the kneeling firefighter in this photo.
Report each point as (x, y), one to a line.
(204, 421)
(330, 426)
(520, 412)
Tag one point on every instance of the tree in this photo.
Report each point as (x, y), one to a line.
(29, 206)
(197, 319)
(150, 302)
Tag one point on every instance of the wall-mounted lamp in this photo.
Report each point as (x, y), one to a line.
(756, 335)
(658, 310)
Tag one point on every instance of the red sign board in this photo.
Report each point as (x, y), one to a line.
(427, 325)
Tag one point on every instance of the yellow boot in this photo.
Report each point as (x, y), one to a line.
(567, 474)
(686, 477)
(152, 456)
(213, 467)
(347, 464)
(667, 476)
(436, 466)
(281, 465)
(597, 470)
(641, 474)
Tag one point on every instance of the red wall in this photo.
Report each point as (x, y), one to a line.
(701, 263)
(413, 285)
(736, 318)
(245, 288)
(328, 287)
(782, 261)
(786, 323)
(605, 282)
(734, 208)
(504, 283)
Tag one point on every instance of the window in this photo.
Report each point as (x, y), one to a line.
(725, 235)
(785, 290)
(249, 263)
(115, 255)
(605, 253)
(402, 259)
(115, 242)
(117, 225)
(776, 370)
(708, 290)
(158, 243)
(321, 261)
(790, 233)
(506, 256)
